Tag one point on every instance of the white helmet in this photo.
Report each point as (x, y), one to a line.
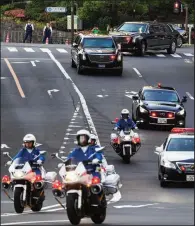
(125, 114)
(29, 138)
(83, 141)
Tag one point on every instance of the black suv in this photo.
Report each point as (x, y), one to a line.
(138, 37)
(158, 105)
(96, 52)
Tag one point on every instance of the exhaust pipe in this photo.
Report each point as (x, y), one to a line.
(96, 189)
(38, 185)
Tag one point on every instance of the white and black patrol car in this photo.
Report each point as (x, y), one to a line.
(176, 157)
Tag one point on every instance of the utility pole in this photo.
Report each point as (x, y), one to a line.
(72, 21)
(186, 17)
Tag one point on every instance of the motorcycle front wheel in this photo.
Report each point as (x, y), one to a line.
(18, 202)
(71, 204)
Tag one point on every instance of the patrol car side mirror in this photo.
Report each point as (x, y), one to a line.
(158, 150)
(184, 99)
(75, 45)
(135, 97)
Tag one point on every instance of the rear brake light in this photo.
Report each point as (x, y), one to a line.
(182, 130)
(6, 179)
(136, 140)
(182, 168)
(116, 140)
(116, 120)
(57, 185)
(153, 114)
(170, 115)
(95, 180)
(38, 178)
(128, 39)
(112, 57)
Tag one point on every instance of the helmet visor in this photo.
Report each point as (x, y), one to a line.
(125, 116)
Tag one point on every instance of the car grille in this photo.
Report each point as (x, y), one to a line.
(100, 58)
(162, 114)
(186, 167)
(120, 40)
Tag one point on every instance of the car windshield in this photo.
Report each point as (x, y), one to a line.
(98, 43)
(181, 144)
(160, 95)
(133, 27)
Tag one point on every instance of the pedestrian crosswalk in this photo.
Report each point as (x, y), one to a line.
(66, 51)
(33, 50)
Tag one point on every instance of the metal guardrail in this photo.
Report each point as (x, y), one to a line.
(37, 37)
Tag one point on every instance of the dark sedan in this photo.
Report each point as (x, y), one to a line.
(158, 106)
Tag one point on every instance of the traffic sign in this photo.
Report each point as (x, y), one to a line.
(56, 9)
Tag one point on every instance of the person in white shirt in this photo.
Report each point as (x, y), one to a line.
(29, 28)
(47, 32)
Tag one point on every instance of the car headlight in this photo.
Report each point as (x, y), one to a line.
(168, 164)
(181, 112)
(143, 110)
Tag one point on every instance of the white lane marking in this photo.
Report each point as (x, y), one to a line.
(73, 122)
(6, 202)
(4, 146)
(3, 77)
(160, 55)
(131, 206)
(45, 50)
(116, 197)
(138, 73)
(52, 90)
(190, 96)
(34, 222)
(62, 147)
(29, 50)
(71, 134)
(52, 210)
(175, 55)
(37, 144)
(188, 61)
(62, 50)
(12, 49)
(74, 126)
(33, 63)
(69, 130)
(130, 96)
(188, 54)
(66, 138)
(81, 97)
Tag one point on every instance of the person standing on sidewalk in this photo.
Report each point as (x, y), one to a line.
(47, 33)
(29, 28)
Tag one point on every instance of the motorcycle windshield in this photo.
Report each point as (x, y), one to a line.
(127, 131)
(71, 164)
(19, 163)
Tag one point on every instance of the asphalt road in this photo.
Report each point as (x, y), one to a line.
(54, 122)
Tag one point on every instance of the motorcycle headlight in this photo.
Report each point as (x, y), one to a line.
(143, 110)
(71, 177)
(168, 164)
(181, 112)
(19, 174)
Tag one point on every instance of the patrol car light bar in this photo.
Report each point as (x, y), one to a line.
(182, 130)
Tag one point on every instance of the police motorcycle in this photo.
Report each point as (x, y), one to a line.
(85, 194)
(27, 187)
(125, 143)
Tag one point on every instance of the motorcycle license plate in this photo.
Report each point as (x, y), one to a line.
(189, 177)
(162, 120)
(101, 65)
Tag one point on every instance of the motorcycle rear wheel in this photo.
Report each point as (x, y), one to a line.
(71, 211)
(18, 203)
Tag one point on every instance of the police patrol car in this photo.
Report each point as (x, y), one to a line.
(176, 157)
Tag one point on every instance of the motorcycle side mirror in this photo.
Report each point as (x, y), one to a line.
(184, 99)
(53, 155)
(43, 152)
(6, 153)
(115, 121)
(135, 97)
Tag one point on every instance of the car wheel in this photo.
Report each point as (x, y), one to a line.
(73, 65)
(163, 183)
(142, 49)
(172, 48)
(179, 42)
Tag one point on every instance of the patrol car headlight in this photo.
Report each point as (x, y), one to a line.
(168, 164)
(181, 112)
(143, 110)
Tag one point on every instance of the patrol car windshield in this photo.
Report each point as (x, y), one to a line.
(160, 95)
(98, 43)
(181, 144)
(128, 27)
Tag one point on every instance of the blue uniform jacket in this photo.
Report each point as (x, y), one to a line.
(78, 155)
(23, 153)
(122, 124)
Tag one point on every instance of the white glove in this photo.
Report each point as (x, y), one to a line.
(136, 127)
(39, 162)
(8, 163)
(95, 161)
(115, 128)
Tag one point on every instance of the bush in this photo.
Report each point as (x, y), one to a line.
(61, 24)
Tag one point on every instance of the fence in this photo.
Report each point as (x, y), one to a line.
(17, 36)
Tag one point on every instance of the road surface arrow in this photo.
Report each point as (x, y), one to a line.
(52, 90)
(4, 146)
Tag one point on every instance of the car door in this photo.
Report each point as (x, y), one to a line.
(162, 36)
(169, 34)
(153, 36)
